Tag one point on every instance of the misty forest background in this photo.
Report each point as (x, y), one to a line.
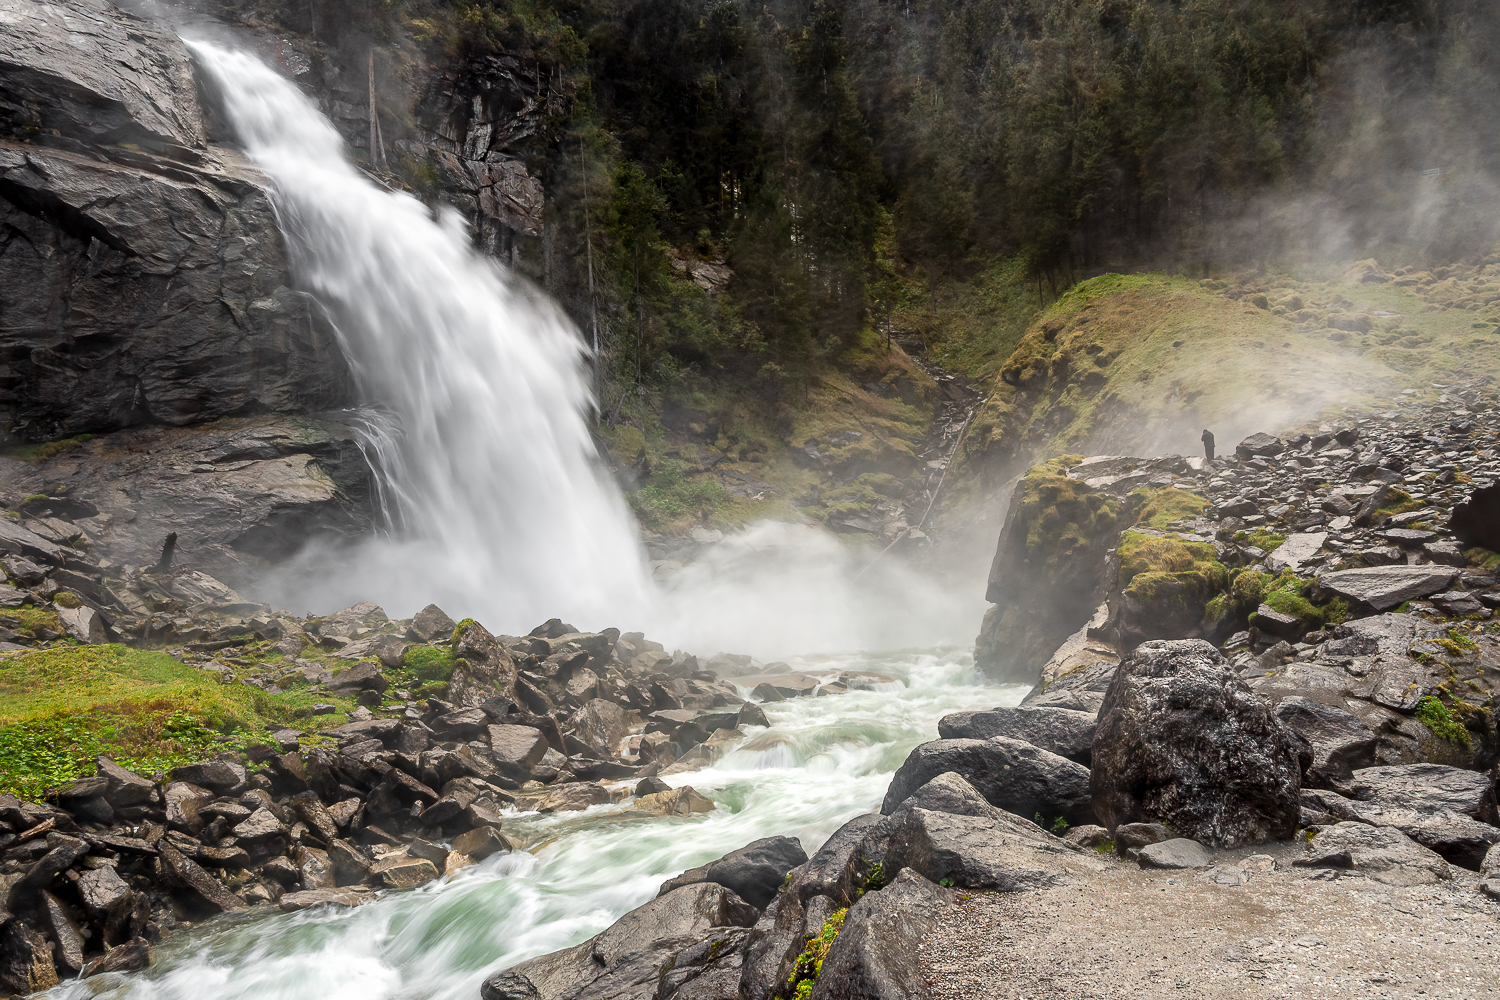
(939, 169)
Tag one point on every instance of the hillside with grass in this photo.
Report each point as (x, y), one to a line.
(1142, 363)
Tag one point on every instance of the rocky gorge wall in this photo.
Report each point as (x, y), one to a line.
(159, 365)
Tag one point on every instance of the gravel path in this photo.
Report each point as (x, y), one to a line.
(1133, 935)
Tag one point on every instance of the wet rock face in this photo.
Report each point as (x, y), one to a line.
(1183, 741)
(142, 275)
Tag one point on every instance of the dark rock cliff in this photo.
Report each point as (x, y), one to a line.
(146, 301)
(142, 275)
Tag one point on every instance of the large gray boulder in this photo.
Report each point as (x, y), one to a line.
(1182, 741)
(755, 872)
(629, 953)
(1062, 731)
(877, 955)
(1012, 775)
(1386, 587)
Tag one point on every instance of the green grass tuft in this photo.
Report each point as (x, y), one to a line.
(1435, 716)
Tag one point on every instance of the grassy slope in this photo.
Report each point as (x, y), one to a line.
(61, 708)
(1142, 362)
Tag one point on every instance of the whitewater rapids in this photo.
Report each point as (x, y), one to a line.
(822, 762)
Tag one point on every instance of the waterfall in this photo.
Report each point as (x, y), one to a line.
(488, 473)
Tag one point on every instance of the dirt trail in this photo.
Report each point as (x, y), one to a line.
(1295, 932)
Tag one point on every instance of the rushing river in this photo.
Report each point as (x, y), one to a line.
(822, 762)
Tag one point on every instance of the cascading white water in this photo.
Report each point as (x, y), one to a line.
(822, 762)
(489, 475)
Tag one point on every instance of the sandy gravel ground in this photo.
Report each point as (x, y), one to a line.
(1133, 935)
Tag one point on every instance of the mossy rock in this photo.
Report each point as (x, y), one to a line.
(1163, 507)
(1062, 517)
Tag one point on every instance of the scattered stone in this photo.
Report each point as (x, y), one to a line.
(1179, 852)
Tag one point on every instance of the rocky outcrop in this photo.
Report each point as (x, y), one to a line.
(110, 317)
(1184, 742)
(1049, 569)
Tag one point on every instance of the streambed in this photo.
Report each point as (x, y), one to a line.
(821, 762)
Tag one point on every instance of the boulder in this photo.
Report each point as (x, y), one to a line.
(1080, 691)
(625, 960)
(1087, 836)
(1339, 741)
(293, 901)
(1179, 852)
(481, 842)
(363, 676)
(979, 852)
(1260, 445)
(183, 800)
(1062, 731)
(132, 956)
(1182, 741)
(1012, 775)
(682, 801)
(600, 724)
(485, 668)
(573, 796)
(402, 872)
(84, 624)
(26, 965)
(186, 874)
(520, 747)
(1134, 836)
(508, 986)
(1386, 587)
(754, 872)
(951, 792)
(125, 787)
(431, 624)
(878, 952)
(220, 775)
(1381, 853)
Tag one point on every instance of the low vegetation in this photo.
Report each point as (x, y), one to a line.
(810, 963)
(63, 707)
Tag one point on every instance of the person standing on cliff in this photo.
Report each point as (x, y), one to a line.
(1208, 444)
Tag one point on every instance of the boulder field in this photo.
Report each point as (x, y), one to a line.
(1274, 691)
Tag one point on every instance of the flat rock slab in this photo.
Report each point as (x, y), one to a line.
(294, 901)
(1386, 587)
(1178, 852)
(1296, 550)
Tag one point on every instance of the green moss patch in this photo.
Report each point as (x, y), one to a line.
(1435, 716)
(62, 708)
(1400, 502)
(810, 963)
(1062, 516)
(1162, 508)
(1154, 568)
